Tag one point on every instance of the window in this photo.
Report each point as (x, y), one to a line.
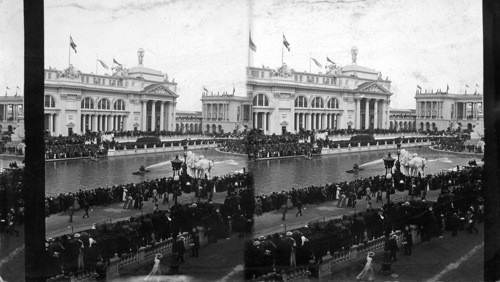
(317, 103)
(333, 103)
(119, 105)
(50, 75)
(103, 104)
(87, 79)
(49, 102)
(87, 103)
(301, 102)
(261, 100)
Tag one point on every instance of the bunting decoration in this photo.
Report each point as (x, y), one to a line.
(72, 43)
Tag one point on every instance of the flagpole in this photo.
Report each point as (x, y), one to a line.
(97, 58)
(310, 54)
(282, 43)
(69, 53)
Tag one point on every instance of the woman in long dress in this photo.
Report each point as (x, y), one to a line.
(156, 271)
(367, 273)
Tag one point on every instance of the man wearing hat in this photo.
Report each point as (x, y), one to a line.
(393, 246)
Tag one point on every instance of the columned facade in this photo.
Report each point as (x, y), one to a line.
(138, 98)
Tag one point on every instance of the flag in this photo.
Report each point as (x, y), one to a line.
(477, 85)
(234, 90)
(251, 44)
(285, 42)
(72, 43)
(317, 63)
(103, 64)
(204, 88)
(115, 62)
(7, 87)
(18, 87)
(329, 61)
(418, 86)
(466, 85)
(447, 88)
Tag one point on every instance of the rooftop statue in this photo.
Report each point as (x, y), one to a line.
(283, 71)
(71, 72)
(119, 71)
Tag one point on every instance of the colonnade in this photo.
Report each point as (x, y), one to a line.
(4, 109)
(372, 114)
(430, 109)
(102, 122)
(157, 119)
(216, 111)
(316, 121)
(435, 109)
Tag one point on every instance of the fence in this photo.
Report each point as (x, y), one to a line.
(391, 145)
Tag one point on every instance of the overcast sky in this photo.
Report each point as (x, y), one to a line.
(426, 42)
(205, 43)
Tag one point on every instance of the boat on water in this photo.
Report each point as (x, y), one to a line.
(353, 170)
(140, 172)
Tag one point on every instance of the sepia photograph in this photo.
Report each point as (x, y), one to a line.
(248, 140)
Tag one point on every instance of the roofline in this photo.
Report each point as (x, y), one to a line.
(79, 87)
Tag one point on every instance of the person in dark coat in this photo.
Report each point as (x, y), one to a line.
(179, 249)
(408, 240)
(393, 247)
(196, 243)
(454, 224)
(86, 207)
(299, 208)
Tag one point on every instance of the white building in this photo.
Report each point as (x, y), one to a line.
(225, 113)
(285, 100)
(441, 110)
(138, 98)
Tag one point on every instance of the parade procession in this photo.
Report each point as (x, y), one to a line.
(248, 141)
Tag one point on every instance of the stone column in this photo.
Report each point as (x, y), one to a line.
(375, 114)
(153, 117)
(264, 122)
(50, 123)
(99, 123)
(162, 113)
(254, 120)
(144, 115)
(94, 123)
(357, 124)
(367, 113)
(313, 121)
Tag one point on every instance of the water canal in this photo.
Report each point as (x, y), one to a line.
(270, 175)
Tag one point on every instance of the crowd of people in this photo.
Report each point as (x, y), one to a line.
(456, 144)
(88, 251)
(459, 207)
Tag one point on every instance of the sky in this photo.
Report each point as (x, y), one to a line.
(11, 47)
(197, 43)
(431, 43)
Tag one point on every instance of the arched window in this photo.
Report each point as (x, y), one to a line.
(119, 105)
(87, 103)
(333, 103)
(50, 102)
(261, 100)
(103, 104)
(301, 102)
(317, 103)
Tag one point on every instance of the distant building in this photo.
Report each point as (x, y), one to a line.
(138, 98)
(11, 108)
(440, 111)
(226, 113)
(188, 122)
(285, 100)
(402, 119)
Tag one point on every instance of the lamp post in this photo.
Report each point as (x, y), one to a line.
(176, 166)
(388, 163)
(398, 163)
(184, 165)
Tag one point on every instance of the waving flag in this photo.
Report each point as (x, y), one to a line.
(251, 44)
(72, 43)
(418, 86)
(234, 90)
(115, 62)
(204, 88)
(466, 85)
(285, 42)
(103, 64)
(317, 63)
(329, 61)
